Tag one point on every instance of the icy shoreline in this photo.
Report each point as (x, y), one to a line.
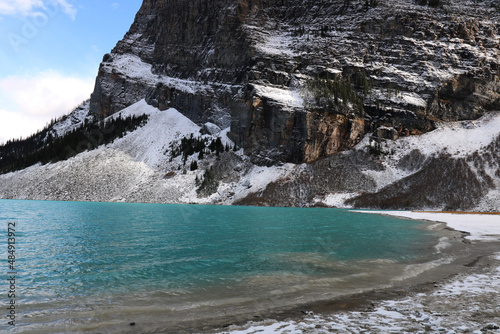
(484, 227)
(468, 302)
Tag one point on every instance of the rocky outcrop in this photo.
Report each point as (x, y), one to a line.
(467, 96)
(329, 134)
(340, 173)
(443, 182)
(114, 92)
(249, 64)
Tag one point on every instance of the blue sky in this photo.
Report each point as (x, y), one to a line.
(50, 54)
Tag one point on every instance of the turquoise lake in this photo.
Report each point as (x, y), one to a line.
(96, 267)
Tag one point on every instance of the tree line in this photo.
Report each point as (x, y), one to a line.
(44, 147)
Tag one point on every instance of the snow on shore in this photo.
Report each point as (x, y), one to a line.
(480, 226)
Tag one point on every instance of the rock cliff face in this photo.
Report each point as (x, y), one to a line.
(184, 54)
(250, 64)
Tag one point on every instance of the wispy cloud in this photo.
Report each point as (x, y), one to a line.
(28, 103)
(115, 5)
(12, 7)
(30, 7)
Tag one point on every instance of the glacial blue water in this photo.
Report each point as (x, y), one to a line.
(82, 263)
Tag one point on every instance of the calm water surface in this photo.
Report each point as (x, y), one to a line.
(96, 267)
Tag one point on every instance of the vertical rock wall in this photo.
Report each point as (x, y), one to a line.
(412, 65)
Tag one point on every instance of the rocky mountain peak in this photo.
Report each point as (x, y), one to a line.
(300, 80)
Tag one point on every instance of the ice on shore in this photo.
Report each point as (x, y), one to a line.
(480, 226)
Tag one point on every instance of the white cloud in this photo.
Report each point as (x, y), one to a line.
(115, 5)
(27, 104)
(67, 8)
(16, 125)
(30, 7)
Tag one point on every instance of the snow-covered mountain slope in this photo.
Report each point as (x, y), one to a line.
(141, 167)
(455, 166)
(73, 120)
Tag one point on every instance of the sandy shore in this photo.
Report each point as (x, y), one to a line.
(466, 302)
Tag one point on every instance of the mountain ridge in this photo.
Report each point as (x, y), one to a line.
(252, 62)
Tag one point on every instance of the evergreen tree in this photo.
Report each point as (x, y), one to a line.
(194, 165)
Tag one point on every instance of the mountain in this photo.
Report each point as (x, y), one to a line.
(379, 103)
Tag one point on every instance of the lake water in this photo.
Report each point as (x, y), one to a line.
(97, 267)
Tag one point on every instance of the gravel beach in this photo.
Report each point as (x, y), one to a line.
(465, 302)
